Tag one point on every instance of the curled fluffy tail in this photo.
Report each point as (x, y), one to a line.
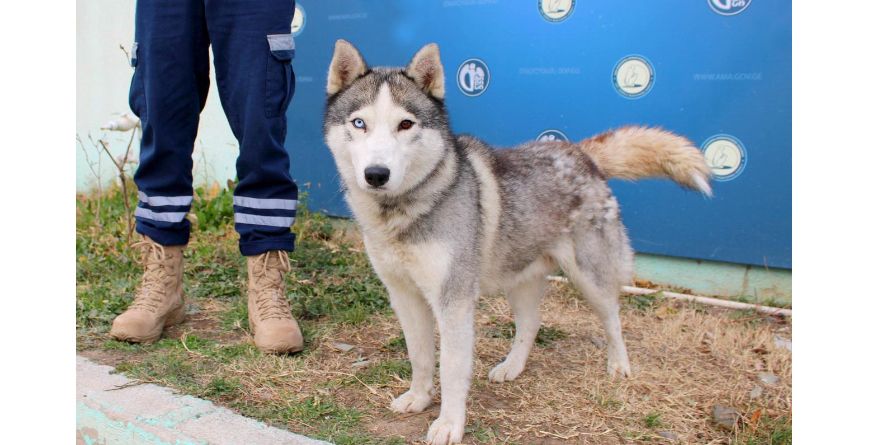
(641, 152)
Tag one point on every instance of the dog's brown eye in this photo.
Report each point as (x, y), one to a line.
(406, 124)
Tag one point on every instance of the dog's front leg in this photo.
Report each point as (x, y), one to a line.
(417, 321)
(455, 319)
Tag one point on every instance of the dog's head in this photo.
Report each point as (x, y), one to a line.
(387, 127)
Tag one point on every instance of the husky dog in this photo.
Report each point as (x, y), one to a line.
(446, 218)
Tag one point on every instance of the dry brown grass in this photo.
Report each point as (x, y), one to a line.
(685, 360)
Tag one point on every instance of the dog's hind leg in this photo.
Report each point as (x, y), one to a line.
(524, 299)
(417, 321)
(597, 268)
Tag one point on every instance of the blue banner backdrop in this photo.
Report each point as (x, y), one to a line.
(717, 71)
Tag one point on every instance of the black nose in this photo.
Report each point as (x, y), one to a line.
(376, 176)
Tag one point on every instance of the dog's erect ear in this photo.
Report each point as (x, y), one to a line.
(347, 65)
(427, 70)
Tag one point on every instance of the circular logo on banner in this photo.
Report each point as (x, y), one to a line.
(556, 10)
(729, 7)
(551, 135)
(473, 77)
(298, 20)
(725, 155)
(633, 76)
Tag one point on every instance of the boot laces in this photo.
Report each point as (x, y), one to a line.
(271, 301)
(156, 279)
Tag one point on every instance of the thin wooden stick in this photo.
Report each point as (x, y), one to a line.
(698, 299)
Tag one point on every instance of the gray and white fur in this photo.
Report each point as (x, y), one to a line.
(446, 218)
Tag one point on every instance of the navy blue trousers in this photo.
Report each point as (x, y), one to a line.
(253, 49)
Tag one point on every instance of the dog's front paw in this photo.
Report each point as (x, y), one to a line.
(411, 402)
(505, 371)
(446, 430)
(618, 368)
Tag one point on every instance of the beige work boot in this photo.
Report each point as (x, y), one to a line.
(270, 317)
(159, 301)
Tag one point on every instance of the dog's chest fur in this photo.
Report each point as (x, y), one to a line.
(487, 218)
(430, 234)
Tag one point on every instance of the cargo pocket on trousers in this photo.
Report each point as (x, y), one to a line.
(280, 79)
(137, 85)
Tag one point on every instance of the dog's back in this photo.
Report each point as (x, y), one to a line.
(550, 191)
(540, 190)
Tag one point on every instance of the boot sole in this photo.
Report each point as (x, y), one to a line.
(279, 351)
(174, 317)
(272, 350)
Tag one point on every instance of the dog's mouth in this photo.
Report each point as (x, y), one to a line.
(372, 188)
(378, 190)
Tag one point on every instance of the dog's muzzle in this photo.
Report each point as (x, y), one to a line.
(377, 176)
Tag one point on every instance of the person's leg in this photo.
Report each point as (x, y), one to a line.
(253, 50)
(171, 60)
(168, 92)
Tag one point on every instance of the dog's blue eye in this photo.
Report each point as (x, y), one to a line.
(358, 123)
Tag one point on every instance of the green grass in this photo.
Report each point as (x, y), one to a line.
(330, 420)
(221, 386)
(608, 402)
(766, 301)
(546, 336)
(397, 343)
(644, 302)
(768, 431)
(114, 345)
(169, 367)
(481, 433)
(384, 372)
(652, 420)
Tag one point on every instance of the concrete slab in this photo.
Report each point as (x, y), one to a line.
(717, 279)
(109, 412)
